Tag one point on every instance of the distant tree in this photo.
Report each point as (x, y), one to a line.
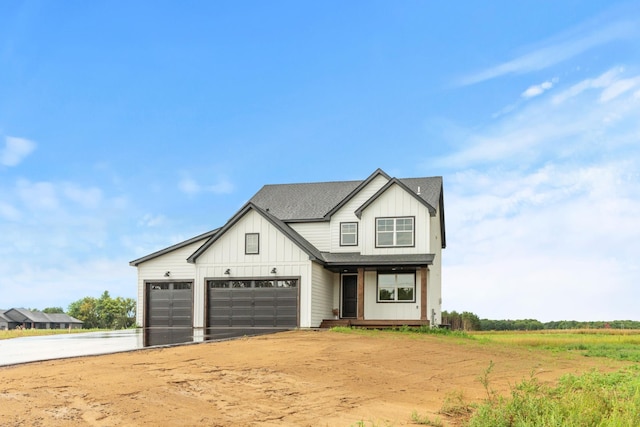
(466, 321)
(53, 310)
(85, 309)
(104, 312)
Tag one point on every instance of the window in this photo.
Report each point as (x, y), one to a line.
(391, 232)
(243, 284)
(348, 234)
(396, 287)
(251, 243)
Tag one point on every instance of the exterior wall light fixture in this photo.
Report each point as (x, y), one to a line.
(227, 271)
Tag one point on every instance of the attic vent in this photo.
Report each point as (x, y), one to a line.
(418, 190)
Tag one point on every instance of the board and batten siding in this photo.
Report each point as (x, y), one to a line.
(276, 251)
(321, 294)
(434, 278)
(395, 202)
(374, 310)
(316, 233)
(154, 269)
(347, 214)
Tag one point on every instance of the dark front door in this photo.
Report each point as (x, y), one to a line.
(350, 295)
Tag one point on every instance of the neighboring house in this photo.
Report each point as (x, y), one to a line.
(23, 318)
(299, 254)
(4, 321)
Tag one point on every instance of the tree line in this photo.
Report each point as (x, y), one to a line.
(102, 313)
(467, 321)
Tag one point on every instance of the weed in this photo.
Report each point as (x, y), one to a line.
(425, 421)
(590, 399)
(484, 380)
(455, 406)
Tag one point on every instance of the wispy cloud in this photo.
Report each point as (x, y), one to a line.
(191, 187)
(557, 50)
(539, 89)
(15, 150)
(543, 207)
(556, 127)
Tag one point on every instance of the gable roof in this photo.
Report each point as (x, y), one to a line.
(156, 254)
(317, 201)
(21, 315)
(302, 202)
(300, 241)
(395, 181)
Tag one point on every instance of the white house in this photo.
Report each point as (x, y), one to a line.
(367, 252)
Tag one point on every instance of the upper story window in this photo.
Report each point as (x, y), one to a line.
(348, 234)
(392, 232)
(252, 243)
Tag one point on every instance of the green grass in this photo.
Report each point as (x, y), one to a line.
(18, 333)
(590, 399)
(612, 343)
(404, 330)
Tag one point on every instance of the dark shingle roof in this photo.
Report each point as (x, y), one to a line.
(21, 315)
(203, 236)
(348, 259)
(302, 201)
(313, 201)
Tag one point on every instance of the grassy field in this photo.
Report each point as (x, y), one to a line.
(18, 333)
(589, 399)
(619, 344)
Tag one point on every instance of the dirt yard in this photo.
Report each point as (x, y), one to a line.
(301, 378)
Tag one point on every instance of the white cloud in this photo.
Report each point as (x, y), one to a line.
(38, 195)
(536, 90)
(40, 286)
(150, 220)
(15, 150)
(9, 212)
(569, 124)
(558, 49)
(191, 187)
(89, 198)
(542, 208)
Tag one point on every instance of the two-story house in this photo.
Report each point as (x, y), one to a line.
(298, 254)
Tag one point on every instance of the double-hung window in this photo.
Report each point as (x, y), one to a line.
(348, 234)
(251, 243)
(396, 287)
(392, 232)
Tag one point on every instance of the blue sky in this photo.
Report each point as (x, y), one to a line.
(126, 127)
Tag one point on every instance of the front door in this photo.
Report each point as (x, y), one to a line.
(350, 295)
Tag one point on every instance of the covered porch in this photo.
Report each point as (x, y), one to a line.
(363, 301)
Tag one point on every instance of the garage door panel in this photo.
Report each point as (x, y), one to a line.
(253, 306)
(170, 304)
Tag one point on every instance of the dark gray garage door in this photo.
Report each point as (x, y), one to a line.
(253, 303)
(170, 304)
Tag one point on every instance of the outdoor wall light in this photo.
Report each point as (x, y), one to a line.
(274, 270)
(167, 274)
(227, 271)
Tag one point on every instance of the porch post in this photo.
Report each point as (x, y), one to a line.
(423, 293)
(360, 293)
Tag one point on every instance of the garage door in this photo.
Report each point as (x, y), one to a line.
(253, 303)
(170, 304)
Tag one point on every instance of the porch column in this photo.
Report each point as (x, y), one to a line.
(423, 293)
(360, 293)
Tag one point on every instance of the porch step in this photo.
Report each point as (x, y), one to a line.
(372, 324)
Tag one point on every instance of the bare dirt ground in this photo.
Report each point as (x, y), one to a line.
(301, 378)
